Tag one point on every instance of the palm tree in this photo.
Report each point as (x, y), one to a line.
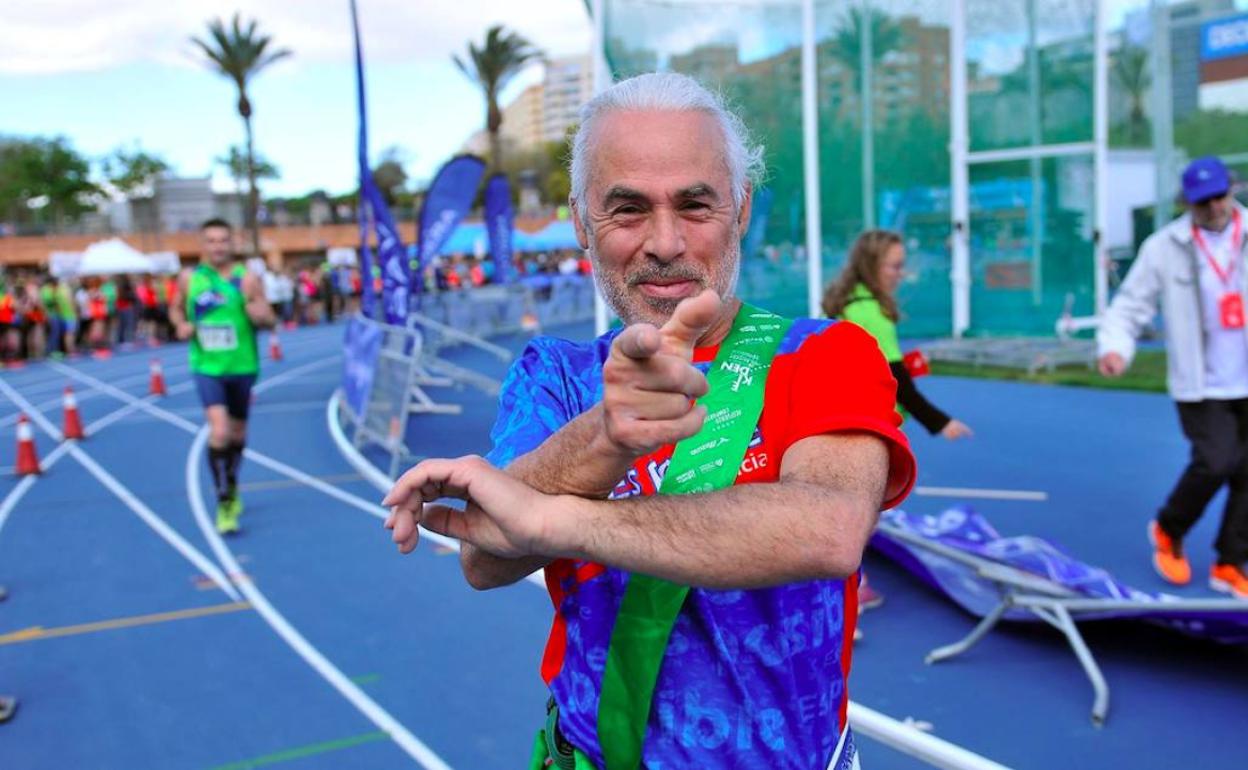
(886, 35)
(1131, 70)
(491, 66)
(239, 53)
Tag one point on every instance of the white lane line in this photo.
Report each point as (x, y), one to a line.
(15, 495)
(55, 401)
(256, 409)
(382, 482)
(934, 751)
(170, 536)
(128, 409)
(53, 384)
(984, 494)
(414, 747)
(203, 563)
(375, 713)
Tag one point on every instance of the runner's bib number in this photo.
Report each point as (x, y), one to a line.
(217, 338)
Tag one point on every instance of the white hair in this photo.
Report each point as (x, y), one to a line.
(666, 92)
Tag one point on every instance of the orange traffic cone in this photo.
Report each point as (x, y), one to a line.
(157, 386)
(73, 420)
(275, 346)
(27, 460)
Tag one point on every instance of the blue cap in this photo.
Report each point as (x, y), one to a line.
(1205, 178)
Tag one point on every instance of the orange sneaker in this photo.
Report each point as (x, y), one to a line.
(1229, 579)
(1168, 558)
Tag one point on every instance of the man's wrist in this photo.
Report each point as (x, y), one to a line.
(602, 447)
(567, 522)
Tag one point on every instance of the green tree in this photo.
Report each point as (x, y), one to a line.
(239, 52)
(548, 164)
(1212, 132)
(1130, 70)
(389, 175)
(491, 67)
(886, 35)
(44, 173)
(133, 172)
(235, 162)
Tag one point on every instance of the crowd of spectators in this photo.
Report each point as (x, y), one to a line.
(42, 315)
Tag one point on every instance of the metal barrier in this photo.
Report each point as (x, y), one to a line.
(389, 376)
(528, 305)
(1027, 353)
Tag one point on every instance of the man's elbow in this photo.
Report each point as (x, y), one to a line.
(483, 572)
(477, 575)
(840, 553)
(839, 562)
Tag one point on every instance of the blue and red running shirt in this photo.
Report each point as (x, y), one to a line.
(750, 678)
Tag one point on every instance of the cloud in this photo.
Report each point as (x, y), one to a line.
(54, 36)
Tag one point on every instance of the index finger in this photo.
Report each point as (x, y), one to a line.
(692, 317)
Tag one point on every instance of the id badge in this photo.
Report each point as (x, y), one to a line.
(1232, 310)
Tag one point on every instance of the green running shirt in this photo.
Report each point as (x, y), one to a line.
(224, 342)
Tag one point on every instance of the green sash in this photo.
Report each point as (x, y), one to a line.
(706, 461)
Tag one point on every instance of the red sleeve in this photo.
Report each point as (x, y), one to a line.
(841, 382)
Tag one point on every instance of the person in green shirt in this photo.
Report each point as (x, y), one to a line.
(219, 307)
(67, 311)
(865, 293)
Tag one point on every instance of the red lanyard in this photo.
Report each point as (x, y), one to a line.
(1236, 243)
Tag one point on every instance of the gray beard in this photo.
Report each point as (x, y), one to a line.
(618, 297)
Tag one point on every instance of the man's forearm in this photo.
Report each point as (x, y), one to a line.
(573, 461)
(748, 536)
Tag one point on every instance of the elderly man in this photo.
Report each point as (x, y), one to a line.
(1195, 268)
(698, 486)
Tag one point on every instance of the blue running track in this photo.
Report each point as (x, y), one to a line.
(136, 638)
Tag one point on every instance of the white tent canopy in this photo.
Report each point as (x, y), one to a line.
(111, 257)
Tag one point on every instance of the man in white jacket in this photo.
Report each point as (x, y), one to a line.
(1195, 267)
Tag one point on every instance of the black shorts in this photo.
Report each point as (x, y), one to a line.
(233, 391)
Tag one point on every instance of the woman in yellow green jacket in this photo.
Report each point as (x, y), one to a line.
(865, 293)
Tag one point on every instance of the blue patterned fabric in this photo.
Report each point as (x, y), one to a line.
(751, 678)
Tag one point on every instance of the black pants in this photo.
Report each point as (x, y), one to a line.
(1218, 432)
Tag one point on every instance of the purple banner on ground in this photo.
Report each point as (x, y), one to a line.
(500, 219)
(447, 201)
(964, 530)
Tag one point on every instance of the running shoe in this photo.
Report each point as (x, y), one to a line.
(1230, 579)
(1168, 558)
(227, 519)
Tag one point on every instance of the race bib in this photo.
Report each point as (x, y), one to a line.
(216, 338)
(1231, 308)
